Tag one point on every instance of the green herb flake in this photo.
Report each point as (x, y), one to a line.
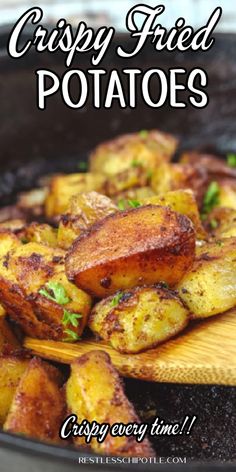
(213, 223)
(219, 243)
(149, 174)
(134, 203)
(72, 336)
(164, 284)
(116, 299)
(121, 204)
(231, 160)
(83, 165)
(71, 318)
(143, 133)
(56, 292)
(211, 198)
(136, 163)
(24, 241)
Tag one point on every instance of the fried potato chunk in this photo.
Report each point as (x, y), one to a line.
(129, 179)
(38, 406)
(135, 247)
(40, 233)
(167, 177)
(227, 196)
(146, 148)
(221, 222)
(182, 201)
(9, 343)
(210, 286)
(32, 203)
(94, 391)
(84, 210)
(138, 319)
(36, 293)
(11, 371)
(63, 187)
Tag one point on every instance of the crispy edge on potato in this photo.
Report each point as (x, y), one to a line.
(182, 201)
(9, 343)
(11, 371)
(63, 187)
(38, 406)
(84, 210)
(138, 319)
(142, 246)
(209, 287)
(146, 148)
(24, 271)
(95, 392)
(221, 223)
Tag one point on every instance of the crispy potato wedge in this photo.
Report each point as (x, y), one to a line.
(167, 177)
(84, 210)
(138, 319)
(40, 233)
(9, 343)
(63, 187)
(209, 287)
(135, 247)
(182, 201)
(26, 270)
(94, 391)
(11, 371)
(147, 149)
(38, 406)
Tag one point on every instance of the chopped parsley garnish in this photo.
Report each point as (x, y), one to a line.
(211, 197)
(121, 204)
(149, 174)
(72, 336)
(24, 241)
(56, 292)
(231, 160)
(71, 318)
(116, 299)
(219, 243)
(134, 203)
(83, 165)
(164, 284)
(143, 133)
(136, 163)
(213, 223)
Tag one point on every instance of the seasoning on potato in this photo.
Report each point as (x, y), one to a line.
(141, 246)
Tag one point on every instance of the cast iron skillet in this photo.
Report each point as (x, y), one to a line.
(33, 143)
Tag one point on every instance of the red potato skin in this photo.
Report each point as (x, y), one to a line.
(141, 246)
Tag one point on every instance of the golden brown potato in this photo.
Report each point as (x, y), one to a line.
(167, 177)
(63, 187)
(38, 406)
(11, 371)
(182, 201)
(221, 222)
(40, 233)
(138, 319)
(8, 342)
(84, 210)
(217, 168)
(133, 194)
(36, 293)
(13, 225)
(145, 149)
(124, 181)
(32, 202)
(94, 391)
(142, 246)
(210, 286)
(227, 196)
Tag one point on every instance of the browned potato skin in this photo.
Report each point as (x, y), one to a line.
(24, 270)
(84, 210)
(142, 318)
(217, 168)
(38, 407)
(117, 155)
(63, 187)
(142, 246)
(9, 343)
(168, 177)
(94, 391)
(11, 371)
